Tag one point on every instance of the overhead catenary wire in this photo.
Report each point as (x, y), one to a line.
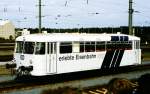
(69, 4)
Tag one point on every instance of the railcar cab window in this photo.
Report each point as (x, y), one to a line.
(137, 44)
(65, 47)
(40, 48)
(25, 47)
(29, 47)
(19, 47)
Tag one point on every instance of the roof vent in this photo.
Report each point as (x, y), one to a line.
(118, 33)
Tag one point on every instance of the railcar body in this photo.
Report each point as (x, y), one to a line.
(58, 53)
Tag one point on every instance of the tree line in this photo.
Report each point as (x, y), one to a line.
(141, 31)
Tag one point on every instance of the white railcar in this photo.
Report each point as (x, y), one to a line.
(58, 53)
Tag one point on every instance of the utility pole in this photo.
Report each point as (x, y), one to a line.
(130, 17)
(40, 17)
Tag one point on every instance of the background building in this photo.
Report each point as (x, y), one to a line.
(7, 30)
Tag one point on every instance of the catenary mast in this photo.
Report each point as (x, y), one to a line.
(130, 17)
(40, 17)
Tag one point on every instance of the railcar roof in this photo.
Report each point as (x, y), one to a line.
(58, 37)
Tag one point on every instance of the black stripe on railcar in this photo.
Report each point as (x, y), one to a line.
(107, 59)
(117, 64)
(115, 58)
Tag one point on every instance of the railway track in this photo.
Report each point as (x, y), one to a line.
(13, 85)
(82, 80)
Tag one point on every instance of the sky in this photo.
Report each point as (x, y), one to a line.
(74, 13)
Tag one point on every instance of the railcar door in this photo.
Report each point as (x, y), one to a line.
(51, 57)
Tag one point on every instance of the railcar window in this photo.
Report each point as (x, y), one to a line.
(82, 46)
(87, 47)
(54, 50)
(109, 46)
(128, 45)
(19, 47)
(137, 44)
(66, 47)
(40, 48)
(119, 45)
(92, 47)
(100, 46)
(113, 45)
(29, 47)
(49, 48)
